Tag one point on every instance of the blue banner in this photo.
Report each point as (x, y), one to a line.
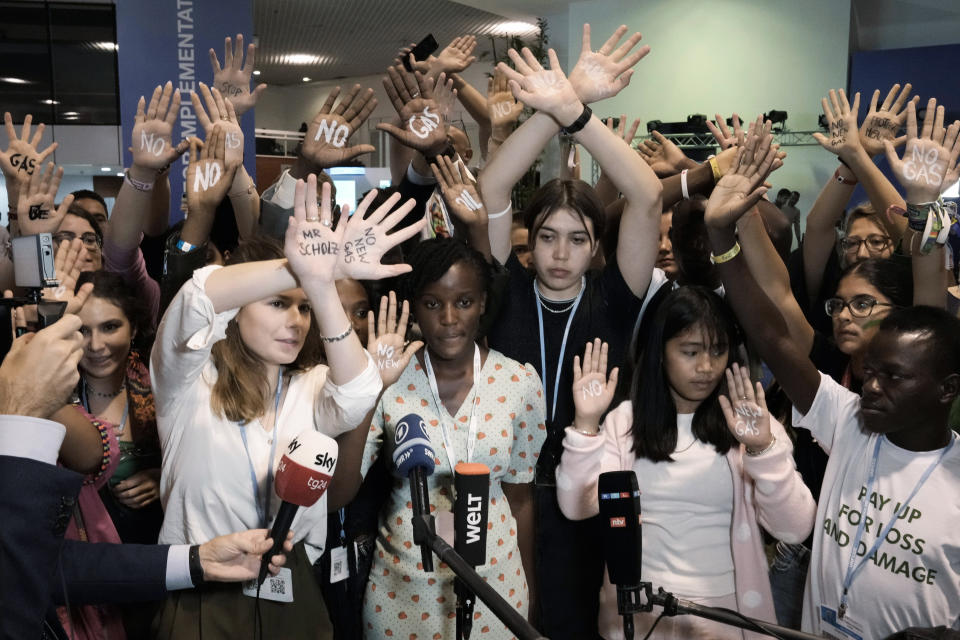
(161, 40)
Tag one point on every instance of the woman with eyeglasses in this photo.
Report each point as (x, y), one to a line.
(80, 224)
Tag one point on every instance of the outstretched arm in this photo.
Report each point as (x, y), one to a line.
(735, 194)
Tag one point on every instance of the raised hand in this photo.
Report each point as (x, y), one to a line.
(546, 90)
(365, 241)
(385, 339)
(604, 73)
(842, 119)
(625, 133)
(22, 157)
(325, 143)
(592, 389)
(739, 189)
(36, 212)
(502, 107)
(233, 79)
(445, 95)
(424, 127)
(312, 246)
(455, 57)
(884, 123)
(664, 156)
(153, 129)
(209, 175)
(929, 163)
(459, 192)
(222, 114)
(66, 265)
(746, 410)
(725, 139)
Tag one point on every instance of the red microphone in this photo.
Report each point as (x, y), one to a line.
(303, 474)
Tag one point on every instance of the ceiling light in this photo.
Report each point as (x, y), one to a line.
(106, 169)
(9, 80)
(514, 28)
(300, 58)
(257, 72)
(70, 117)
(120, 174)
(49, 101)
(306, 79)
(69, 113)
(106, 46)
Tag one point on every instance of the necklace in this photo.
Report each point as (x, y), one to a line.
(545, 303)
(113, 394)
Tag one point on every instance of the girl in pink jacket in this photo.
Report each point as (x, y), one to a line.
(711, 470)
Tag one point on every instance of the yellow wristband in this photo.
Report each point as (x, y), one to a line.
(716, 170)
(728, 256)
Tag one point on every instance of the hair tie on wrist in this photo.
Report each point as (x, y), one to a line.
(683, 185)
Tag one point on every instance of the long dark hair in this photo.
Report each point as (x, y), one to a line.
(654, 411)
(893, 277)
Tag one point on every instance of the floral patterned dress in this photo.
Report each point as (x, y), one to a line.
(402, 600)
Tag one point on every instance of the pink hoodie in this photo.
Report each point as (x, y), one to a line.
(767, 490)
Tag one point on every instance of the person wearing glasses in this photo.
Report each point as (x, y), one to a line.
(78, 223)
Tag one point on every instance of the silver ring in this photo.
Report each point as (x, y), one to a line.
(314, 219)
(415, 94)
(326, 223)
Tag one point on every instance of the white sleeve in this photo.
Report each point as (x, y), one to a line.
(341, 408)
(34, 438)
(835, 409)
(188, 331)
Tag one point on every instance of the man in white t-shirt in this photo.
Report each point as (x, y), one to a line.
(894, 473)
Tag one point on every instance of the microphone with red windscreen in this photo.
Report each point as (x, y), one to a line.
(303, 474)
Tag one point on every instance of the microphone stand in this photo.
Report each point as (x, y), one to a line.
(424, 533)
(628, 603)
(465, 601)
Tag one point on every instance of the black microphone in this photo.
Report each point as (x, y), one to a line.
(414, 458)
(619, 498)
(302, 476)
(471, 482)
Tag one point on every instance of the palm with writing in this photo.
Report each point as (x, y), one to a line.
(385, 339)
(459, 192)
(546, 90)
(604, 73)
(422, 118)
(884, 123)
(929, 163)
(502, 107)
(325, 143)
(312, 245)
(36, 212)
(592, 389)
(745, 410)
(22, 156)
(153, 129)
(233, 79)
(66, 266)
(724, 137)
(210, 174)
(842, 121)
(664, 156)
(742, 187)
(220, 113)
(366, 239)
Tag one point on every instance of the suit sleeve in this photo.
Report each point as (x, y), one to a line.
(98, 573)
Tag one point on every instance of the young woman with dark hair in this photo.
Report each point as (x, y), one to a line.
(478, 406)
(712, 470)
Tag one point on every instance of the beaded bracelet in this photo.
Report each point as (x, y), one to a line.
(754, 454)
(339, 337)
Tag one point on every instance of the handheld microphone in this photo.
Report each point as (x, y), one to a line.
(414, 458)
(471, 482)
(619, 498)
(303, 474)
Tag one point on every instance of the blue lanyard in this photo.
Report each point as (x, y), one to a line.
(263, 510)
(853, 569)
(563, 345)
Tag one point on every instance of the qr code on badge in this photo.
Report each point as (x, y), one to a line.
(338, 567)
(278, 586)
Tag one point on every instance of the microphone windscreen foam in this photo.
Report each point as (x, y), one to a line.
(305, 470)
(471, 482)
(619, 496)
(413, 447)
